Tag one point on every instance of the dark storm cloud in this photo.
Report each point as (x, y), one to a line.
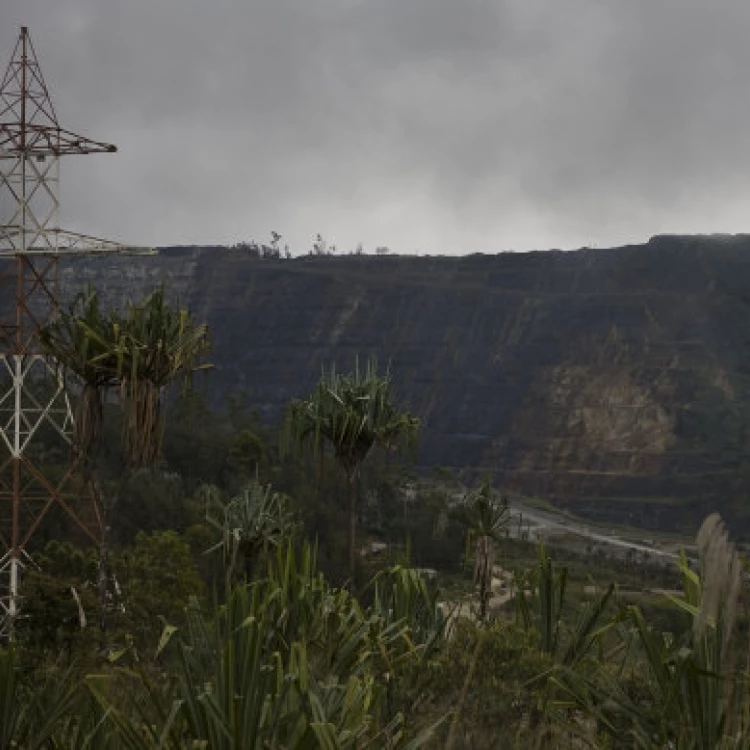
(425, 125)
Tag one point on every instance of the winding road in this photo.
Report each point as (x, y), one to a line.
(540, 520)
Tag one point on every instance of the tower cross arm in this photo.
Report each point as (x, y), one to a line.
(44, 140)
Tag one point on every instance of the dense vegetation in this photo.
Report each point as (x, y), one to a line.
(225, 621)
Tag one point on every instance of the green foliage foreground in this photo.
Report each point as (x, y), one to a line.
(287, 662)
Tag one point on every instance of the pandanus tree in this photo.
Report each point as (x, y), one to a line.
(163, 344)
(138, 354)
(351, 414)
(488, 524)
(86, 343)
(251, 525)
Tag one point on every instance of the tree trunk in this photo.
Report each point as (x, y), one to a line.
(483, 575)
(104, 566)
(483, 599)
(107, 508)
(351, 479)
(321, 465)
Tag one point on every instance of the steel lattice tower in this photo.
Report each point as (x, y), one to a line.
(31, 243)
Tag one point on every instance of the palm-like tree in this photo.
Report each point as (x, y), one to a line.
(88, 343)
(162, 344)
(488, 523)
(352, 413)
(85, 342)
(250, 524)
(139, 353)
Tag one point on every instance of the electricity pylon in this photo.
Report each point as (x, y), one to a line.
(33, 398)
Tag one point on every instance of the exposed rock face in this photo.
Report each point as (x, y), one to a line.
(612, 381)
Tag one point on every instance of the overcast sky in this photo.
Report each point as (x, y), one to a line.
(442, 126)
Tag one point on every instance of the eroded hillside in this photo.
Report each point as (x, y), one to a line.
(612, 381)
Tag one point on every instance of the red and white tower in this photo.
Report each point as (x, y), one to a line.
(31, 244)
